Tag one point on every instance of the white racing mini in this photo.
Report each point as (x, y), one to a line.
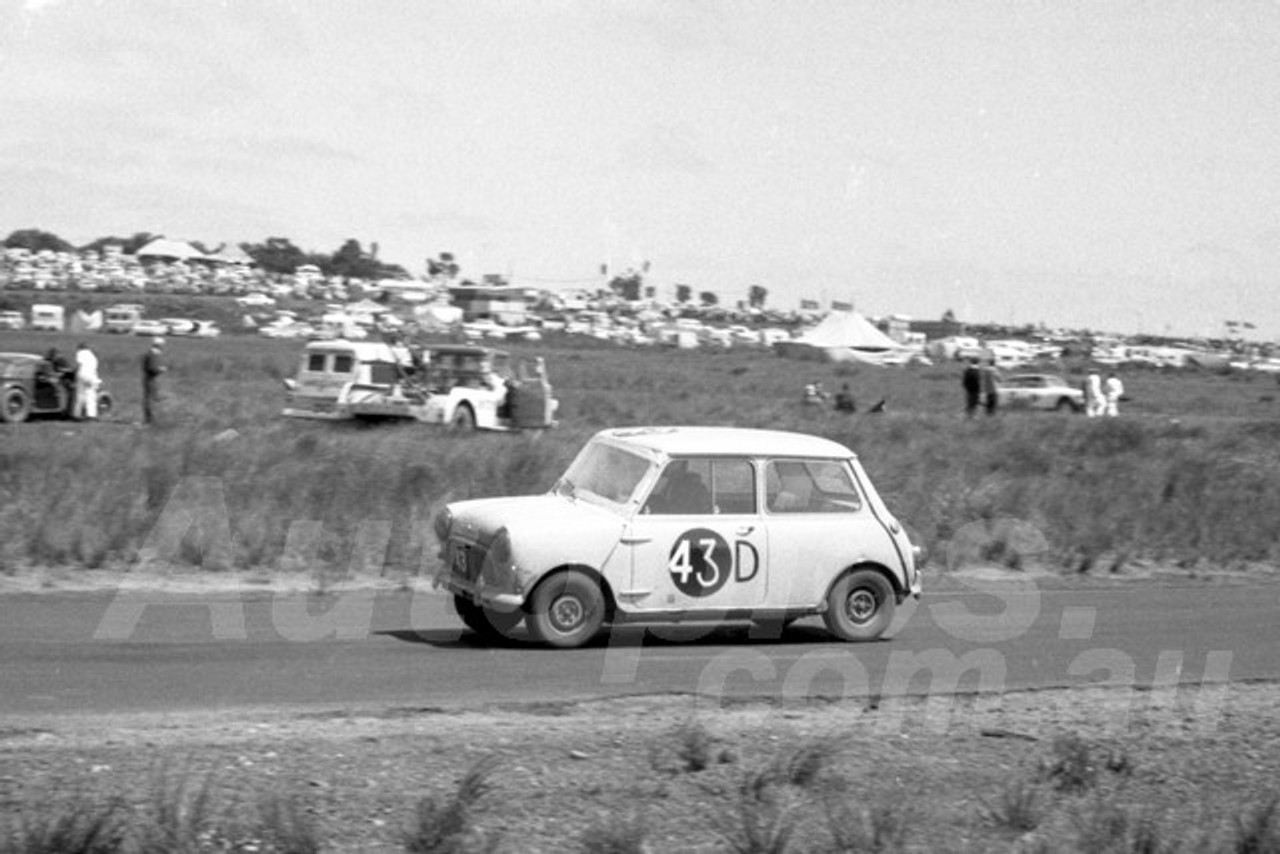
(667, 524)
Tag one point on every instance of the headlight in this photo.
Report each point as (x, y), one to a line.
(499, 555)
(443, 522)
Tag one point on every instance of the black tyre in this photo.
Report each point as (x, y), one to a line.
(860, 606)
(1065, 404)
(491, 625)
(106, 403)
(15, 405)
(566, 610)
(464, 418)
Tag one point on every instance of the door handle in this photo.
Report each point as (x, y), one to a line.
(745, 530)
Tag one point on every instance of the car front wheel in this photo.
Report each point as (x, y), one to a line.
(15, 405)
(489, 624)
(464, 419)
(860, 606)
(567, 610)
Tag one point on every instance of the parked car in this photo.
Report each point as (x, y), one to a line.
(150, 327)
(121, 318)
(32, 385)
(179, 326)
(255, 300)
(12, 320)
(665, 524)
(1040, 391)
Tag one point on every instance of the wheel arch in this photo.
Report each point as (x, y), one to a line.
(900, 591)
(610, 602)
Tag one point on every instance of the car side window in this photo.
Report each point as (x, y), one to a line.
(315, 362)
(810, 486)
(704, 486)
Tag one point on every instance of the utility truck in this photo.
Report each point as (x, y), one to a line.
(464, 387)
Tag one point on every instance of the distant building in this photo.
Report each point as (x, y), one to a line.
(934, 329)
(494, 299)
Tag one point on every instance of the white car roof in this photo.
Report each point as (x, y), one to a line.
(736, 441)
(363, 351)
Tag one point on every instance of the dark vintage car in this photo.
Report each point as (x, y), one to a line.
(30, 386)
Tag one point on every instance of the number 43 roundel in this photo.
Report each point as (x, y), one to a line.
(700, 562)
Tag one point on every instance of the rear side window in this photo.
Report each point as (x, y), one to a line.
(315, 362)
(342, 364)
(810, 486)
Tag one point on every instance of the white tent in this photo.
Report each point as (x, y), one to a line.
(230, 253)
(169, 250)
(842, 336)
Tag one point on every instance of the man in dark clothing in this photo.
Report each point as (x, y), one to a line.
(152, 367)
(972, 382)
(844, 400)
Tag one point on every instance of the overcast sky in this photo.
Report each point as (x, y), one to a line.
(1105, 164)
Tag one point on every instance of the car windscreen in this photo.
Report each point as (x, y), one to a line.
(606, 471)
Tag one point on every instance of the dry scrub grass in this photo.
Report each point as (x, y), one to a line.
(1037, 771)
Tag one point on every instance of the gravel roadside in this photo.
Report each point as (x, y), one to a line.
(679, 773)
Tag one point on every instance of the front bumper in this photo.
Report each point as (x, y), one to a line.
(469, 573)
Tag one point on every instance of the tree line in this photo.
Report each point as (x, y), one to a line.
(274, 255)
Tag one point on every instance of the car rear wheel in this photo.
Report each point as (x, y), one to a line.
(566, 610)
(105, 404)
(489, 624)
(1065, 404)
(15, 405)
(860, 606)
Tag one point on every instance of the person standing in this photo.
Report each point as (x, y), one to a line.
(972, 382)
(87, 382)
(152, 367)
(1113, 389)
(1095, 403)
(844, 400)
(990, 386)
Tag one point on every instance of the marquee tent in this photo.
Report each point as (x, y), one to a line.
(230, 253)
(842, 336)
(169, 250)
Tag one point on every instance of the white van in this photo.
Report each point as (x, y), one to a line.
(331, 369)
(48, 318)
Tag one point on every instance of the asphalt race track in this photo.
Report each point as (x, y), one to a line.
(66, 653)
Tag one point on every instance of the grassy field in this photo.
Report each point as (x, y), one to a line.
(1187, 476)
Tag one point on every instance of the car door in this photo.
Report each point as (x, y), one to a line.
(1014, 393)
(698, 542)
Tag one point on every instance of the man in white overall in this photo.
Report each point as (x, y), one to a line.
(87, 382)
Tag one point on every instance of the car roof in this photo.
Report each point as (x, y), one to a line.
(734, 441)
(362, 350)
(21, 357)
